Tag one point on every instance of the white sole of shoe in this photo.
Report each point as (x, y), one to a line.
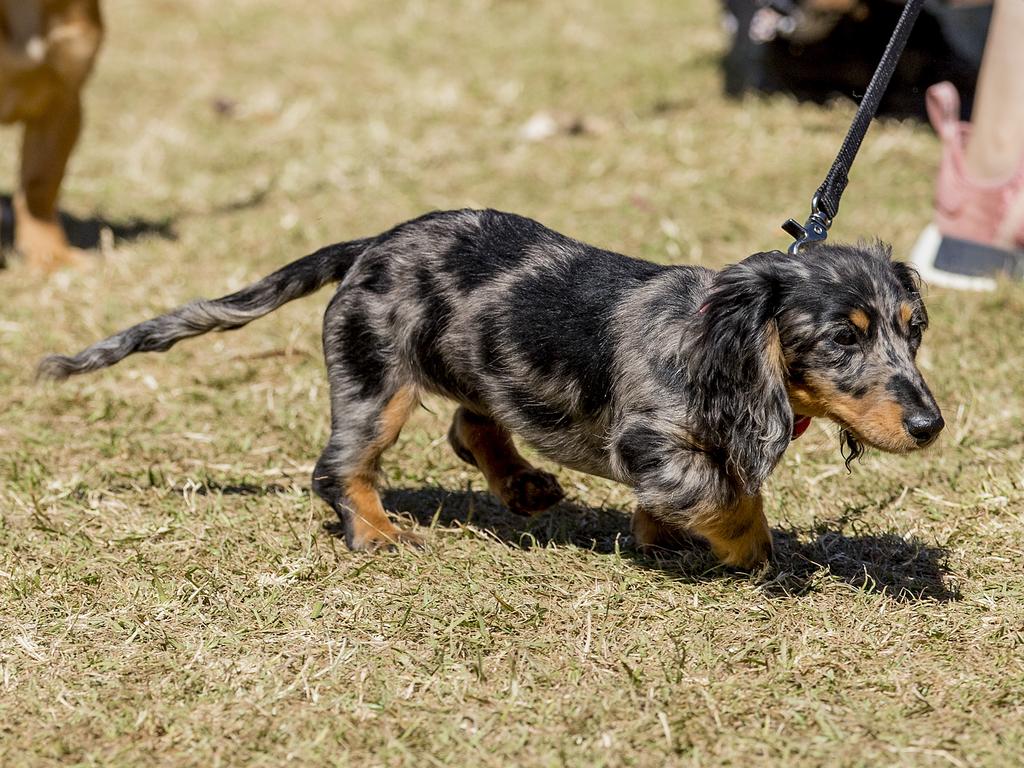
(923, 258)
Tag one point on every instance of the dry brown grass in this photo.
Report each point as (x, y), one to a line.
(171, 594)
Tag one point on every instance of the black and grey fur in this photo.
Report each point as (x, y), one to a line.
(679, 381)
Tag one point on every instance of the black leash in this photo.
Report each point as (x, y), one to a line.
(825, 203)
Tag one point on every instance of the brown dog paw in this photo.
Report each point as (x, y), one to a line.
(531, 491)
(45, 248)
(380, 541)
(747, 551)
(654, 537)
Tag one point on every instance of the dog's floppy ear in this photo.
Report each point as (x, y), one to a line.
(737, 371)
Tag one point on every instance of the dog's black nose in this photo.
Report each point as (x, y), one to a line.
(924, 426)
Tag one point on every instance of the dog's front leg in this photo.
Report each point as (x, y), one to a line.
(654, 536)
(684, 491)
(738, 534)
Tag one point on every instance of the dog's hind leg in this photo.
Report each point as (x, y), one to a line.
(482, 442)
(370, 404)
(346, 473)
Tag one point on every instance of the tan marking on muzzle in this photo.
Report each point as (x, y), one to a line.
(875, 418)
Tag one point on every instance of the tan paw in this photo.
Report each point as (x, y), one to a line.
(45, 249)
(749, 551)
(69, 258)
(378, 541)
(654, 537)
(531, 491)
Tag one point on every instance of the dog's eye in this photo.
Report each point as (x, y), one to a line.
(846, 337)
(916, 330)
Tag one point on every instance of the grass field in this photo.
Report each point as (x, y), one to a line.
(170, 592)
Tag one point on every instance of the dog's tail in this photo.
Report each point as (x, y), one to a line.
(298, 279)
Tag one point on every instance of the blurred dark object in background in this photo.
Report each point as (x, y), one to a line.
(819, 49)
(6, 228)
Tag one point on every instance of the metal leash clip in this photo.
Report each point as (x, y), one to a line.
(814, 231)
(825, 204)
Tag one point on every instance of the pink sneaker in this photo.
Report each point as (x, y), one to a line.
(979, 225)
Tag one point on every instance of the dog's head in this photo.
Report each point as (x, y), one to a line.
(852, 329)
(832, 332)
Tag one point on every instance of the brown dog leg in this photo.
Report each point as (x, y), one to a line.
(46, 98)
(46, 147)
(482, 442)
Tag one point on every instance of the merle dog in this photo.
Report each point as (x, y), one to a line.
(685, 383)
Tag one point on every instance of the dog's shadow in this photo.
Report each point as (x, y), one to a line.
(92, 232)
(906, 569)
(89, 233)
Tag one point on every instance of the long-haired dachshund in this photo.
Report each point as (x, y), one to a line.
(685, 383)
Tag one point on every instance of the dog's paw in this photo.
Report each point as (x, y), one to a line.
(460, 450)
(43, 244)
(531, 491)
(748, 552)
(382, 541)
(653, 537)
